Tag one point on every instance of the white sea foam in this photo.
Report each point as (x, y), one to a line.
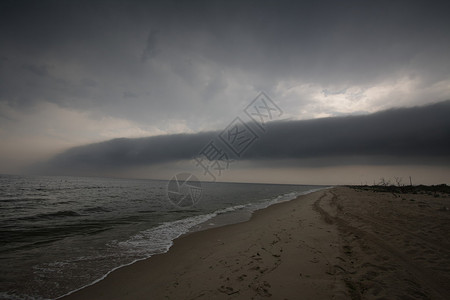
(159, 239)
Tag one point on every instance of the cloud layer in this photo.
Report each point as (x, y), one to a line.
(123, 69)
(149, 61)
(419, 135)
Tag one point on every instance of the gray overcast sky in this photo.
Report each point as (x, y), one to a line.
(78, 72)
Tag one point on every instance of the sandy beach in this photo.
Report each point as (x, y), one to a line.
(339, 243)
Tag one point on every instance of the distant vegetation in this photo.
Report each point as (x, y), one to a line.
(387, 186)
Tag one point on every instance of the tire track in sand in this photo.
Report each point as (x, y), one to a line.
(422, 276)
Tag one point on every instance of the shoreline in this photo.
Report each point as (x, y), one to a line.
(220, 220)
(338, 243)
(245, 215)
(227, 240)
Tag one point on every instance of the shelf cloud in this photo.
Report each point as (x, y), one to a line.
(406, 135)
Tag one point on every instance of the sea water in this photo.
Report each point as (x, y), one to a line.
(59, 234)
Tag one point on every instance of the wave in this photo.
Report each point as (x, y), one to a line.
(160, 239)
(23, 199)
(58, 214)
(96, 209)
(9, 296)
(45, 216)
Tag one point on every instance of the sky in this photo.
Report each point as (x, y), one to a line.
(140, 88)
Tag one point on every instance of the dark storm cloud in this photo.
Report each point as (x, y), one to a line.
(37, 70)
(122, 153)
(129, 95)
(398, 132)
(147, 46)
(406, 135)
(150, 50)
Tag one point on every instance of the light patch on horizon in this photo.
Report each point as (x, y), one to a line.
(48, 129)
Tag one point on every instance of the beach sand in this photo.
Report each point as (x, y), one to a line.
(338, 243)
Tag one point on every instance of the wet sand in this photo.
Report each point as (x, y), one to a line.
(339, 243)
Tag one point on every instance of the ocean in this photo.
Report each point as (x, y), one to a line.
(59, 234)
